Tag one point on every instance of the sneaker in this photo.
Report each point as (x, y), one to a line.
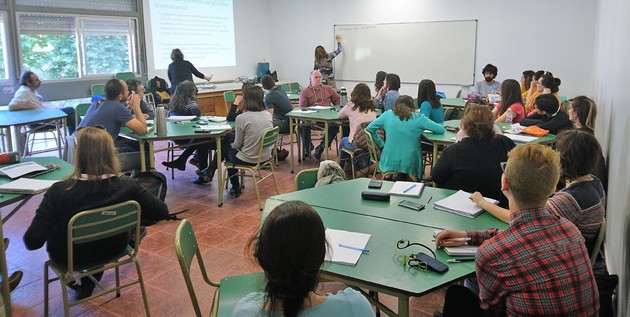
(205, 172)
(318, 152)
(14, 280)
(202, 180)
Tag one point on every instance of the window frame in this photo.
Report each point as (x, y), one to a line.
(6, 46)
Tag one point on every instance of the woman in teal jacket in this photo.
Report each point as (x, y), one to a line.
(403, 128)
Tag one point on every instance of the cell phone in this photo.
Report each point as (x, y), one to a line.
(452, 129)
(375, 183)
(433, 264)
(411, 205)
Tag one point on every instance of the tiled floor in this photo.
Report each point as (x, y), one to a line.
(222, 232)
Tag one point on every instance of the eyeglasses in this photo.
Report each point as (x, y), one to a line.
(503, 166)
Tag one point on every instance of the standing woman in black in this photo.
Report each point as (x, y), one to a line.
(181, 70)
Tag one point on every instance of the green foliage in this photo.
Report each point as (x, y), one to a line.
(3, 70)
(106, 54)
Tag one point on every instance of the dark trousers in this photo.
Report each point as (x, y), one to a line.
(305, 132)
(203, 151)
(460, 301)
(232, 160)
(226, 142)
(71, 120)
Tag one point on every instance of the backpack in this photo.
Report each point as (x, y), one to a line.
(153, 181)
(159, 89)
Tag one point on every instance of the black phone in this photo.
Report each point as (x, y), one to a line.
(375, 183)
(411, 205)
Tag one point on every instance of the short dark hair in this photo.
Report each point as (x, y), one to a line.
(290, 247)
(267, 82)
(579, 153)
(426, 92)
(538, 74)
(550, 82)
(133, 84)
(177, 54)
(548, 103)
(25, 78)
(490, 69)
(393, 81)
(253, 98)
(113, 88)
(478, 122)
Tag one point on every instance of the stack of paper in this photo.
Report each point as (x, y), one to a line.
(303, 111)
(409, 189)
(520, 137)
(214, 127)
(26, 186)
(20, 169)
(460, 203)
(464, 250)
(345, 255)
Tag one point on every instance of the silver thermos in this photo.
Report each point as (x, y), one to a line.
(160, 121)
(344, 97)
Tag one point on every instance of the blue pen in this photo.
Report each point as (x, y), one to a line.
(354, 248)
(410, 188)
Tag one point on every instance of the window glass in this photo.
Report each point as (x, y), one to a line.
(3, 46)
(107, 5)
(107, 45)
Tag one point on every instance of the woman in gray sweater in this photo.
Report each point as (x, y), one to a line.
(249, 128)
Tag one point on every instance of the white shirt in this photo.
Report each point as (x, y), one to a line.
(26, 96)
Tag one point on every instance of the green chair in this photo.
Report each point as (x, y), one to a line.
(351, 153)
(228, 100)
(306, 178)
(286, 88)
(125, 76)
(98, 90)
(373, 150)
(598, 243)
(233, 288)
(80, 110)
(295, 88)
(92, 225)
(269, 138)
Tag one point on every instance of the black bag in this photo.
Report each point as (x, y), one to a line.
(362, 161)
(606, 285)
(453, 114)
(159, 90)
(154, 182)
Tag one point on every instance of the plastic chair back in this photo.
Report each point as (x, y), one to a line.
(295, 88)
(598, 243)
(286, 87)
(125, 76)
(98, 90)
(306, 178)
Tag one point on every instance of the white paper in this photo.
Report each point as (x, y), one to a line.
(520, 137)
(213, 127)
(342, 255)
(460, 203)
(181, 118)
(19, 169)
(464, 250)
(149, 122)
(303, 111)
(400, 187)
(26, 186)
(321, 107)
(217, 119)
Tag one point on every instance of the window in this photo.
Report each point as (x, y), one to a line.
(67, 46)
(3, 44)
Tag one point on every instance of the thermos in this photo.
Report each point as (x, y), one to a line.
(160, 121)
(344, 96)
(9, 157)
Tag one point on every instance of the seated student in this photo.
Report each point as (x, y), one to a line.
(360, 109)
(379, 81)
(488, 85)
(546, 84)
(95, 182)
(511, 103)
(184, 103)
(249, 128)
(277, 103)
(539, 266)
(294, 228)
(136, 86)
(526, 83)
(473, 164)
(404, 127)
(548, 115)
(388, 94)
(429, 101)
(533, 92)
(461, 134)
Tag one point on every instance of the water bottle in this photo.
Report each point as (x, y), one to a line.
(344, 96)
(509, 117)
(160, 121)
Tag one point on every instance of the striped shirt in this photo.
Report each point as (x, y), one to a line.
(538, 266)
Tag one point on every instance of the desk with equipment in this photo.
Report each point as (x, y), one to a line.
(13, 120)
(179, 130)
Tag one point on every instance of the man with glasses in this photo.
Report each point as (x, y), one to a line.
(539, 265)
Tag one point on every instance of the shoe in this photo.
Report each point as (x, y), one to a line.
(178, 164)
(235, 192)
(201, 180)
(205, 172)
(437, 314)
(6, 243)
(318, 152)
(194, 161)
(14, 280)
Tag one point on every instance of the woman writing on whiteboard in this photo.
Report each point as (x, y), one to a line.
(323, 62)
(181, 70)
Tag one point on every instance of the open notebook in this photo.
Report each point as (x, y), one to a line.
(21, 169)
(344, 255)
(460, 203)
(409, 189)
(26, 186)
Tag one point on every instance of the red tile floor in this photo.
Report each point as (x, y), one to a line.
(222, 232)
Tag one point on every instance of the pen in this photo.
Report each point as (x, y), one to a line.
(455, 239)
(353, 248)
(428, 201)
(410, 188)
(460, 260)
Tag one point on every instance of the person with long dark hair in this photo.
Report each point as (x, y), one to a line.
(429, 101)
(511, 102)
(582, 113)
(323, 62)
(95, 182)
(360, 109)
(526, 82)
(379, 81)
(388, 94)
(546, 84)
(290, 247)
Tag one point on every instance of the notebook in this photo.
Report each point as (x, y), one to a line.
(408, 189)
(460, 203)
(21, 169)
(464, 250)
(180, 118)
(26, 186)
(214, 127)
(344, 255)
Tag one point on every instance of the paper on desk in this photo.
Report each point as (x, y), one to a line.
(213, 127)
(27, 186)
(217, 119)
(303, 111)
(409, 189)
(181, 118)
(341, 255)
(20, 169)
(321, 107)
(520, 137)
(460, 203)
(464, 250)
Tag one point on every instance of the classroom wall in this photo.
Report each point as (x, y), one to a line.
(609, 89)
(513, 35)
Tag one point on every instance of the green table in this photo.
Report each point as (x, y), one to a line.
(14, 119)
(61, 173)
(378, 271)
(453, 102)
(346, 197)
(177, 131)
(324, 116)
(448, 137)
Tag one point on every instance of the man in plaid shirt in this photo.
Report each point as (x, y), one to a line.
(539, 266)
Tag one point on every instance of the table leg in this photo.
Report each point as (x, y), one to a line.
(291, 126)
(326, 139)
(151, 155)
(219, 170)
(143, 164)
(59, 136)
(435, 153)
(403, 306)
(16, 208)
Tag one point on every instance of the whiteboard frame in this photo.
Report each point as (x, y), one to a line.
(474, 62)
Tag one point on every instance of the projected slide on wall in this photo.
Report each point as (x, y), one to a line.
(202, 29)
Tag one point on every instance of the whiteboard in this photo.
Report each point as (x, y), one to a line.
(441, 51)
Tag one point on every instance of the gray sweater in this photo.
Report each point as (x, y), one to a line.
(249, 127)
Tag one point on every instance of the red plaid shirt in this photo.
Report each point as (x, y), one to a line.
(538, 266)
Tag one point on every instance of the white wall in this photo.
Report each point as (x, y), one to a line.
(609, 88)
(252, 42)
(513, 35)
